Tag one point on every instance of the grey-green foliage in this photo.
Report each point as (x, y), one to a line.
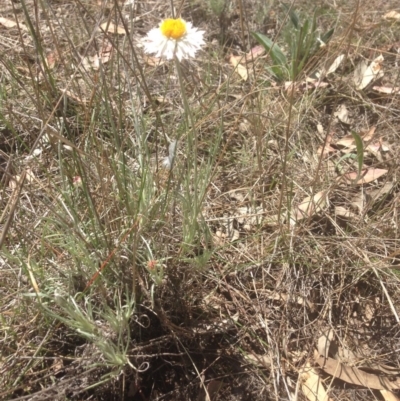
(218, 6)
(302, 41)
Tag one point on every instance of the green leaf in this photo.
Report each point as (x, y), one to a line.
(277, 72)
(294, 18)
(360, 152)
(326, 36)
(276, 53)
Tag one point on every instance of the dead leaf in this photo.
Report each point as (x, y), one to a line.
(335, 65)
(310, 206)
(8, 23)
(312, 385)
(254, 53)
(377, 193)
(386, 89)
(342, 114)
(347, 141)
(324, 342)
(364, 75)
(343, 212)
(327, 148)
(367, 175)
(315, 82)
(392, 15)
(368, 135)
(112, 28)
(346, 356)
(389, 396)
(239, 68)
(356, 376)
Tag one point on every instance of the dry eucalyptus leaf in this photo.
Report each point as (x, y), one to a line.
(389, 396)
(312, 385)
(386, 89)
(347, 141)
(359, 71)
(343, 212)
(342, 114)
(346, 356)
(311, 205)
(255, 52)
(334, 66)
(8, 23)
(377, 193)
(392, 15)
(375, 149)
(367, 175)
(325, 150)
(369, 74)
(357, 376)
(324, 342)
(239, 68)
(316, 83)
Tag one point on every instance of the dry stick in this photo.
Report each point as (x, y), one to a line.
(242, 21)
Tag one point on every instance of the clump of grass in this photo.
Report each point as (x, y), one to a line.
(124, 278)
(302, 40)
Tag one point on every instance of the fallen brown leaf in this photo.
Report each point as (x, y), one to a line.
(343, 212)
(366, 74)
(312, 385)
(327, 148)
(386, 89)
(310, 206)
(392, 15)
(255, 52)
(356, 376)
(367, 175)
(239, 68)
(324, 342)
(389, 396)
(8, 23)
(335, 65)
(342, 114)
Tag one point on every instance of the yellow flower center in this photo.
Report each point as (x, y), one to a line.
(173, 28)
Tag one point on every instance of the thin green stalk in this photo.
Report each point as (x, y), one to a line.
(192, 137)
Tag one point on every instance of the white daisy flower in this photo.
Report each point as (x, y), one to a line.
(174, 37)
